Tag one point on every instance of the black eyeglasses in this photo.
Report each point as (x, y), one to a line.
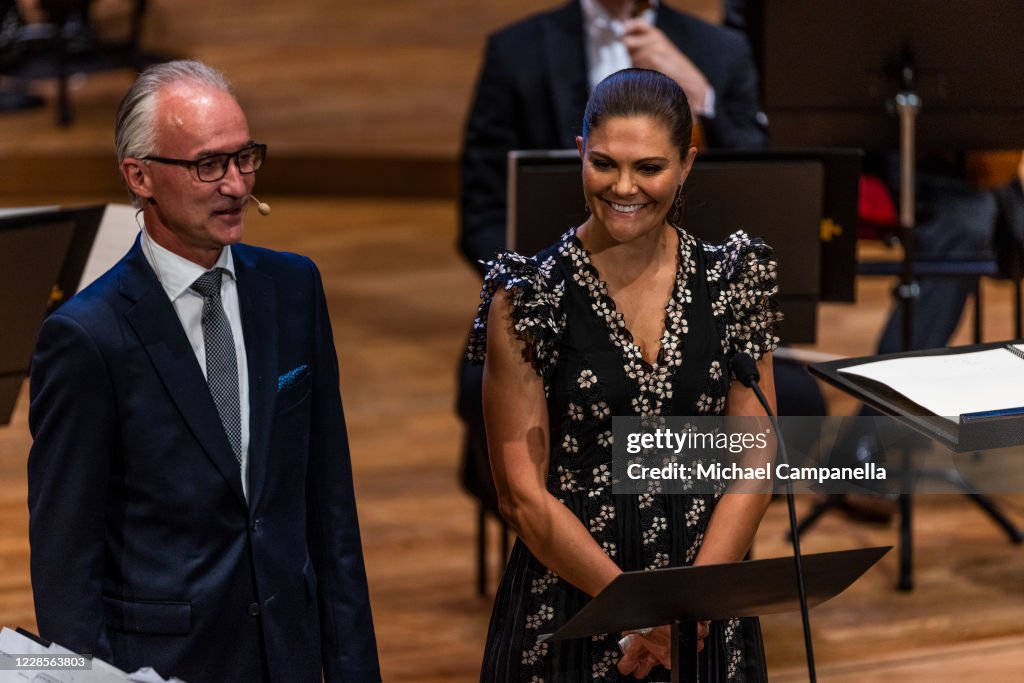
(212, 168)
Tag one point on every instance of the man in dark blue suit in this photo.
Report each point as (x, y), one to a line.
(190, 488)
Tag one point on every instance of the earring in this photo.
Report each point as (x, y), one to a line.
(676, 215)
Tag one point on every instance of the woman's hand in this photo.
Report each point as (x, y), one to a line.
(643, 650)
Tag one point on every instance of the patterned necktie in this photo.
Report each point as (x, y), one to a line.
(221, 364)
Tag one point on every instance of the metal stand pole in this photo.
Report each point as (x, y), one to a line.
(685, 664)
(907, 106)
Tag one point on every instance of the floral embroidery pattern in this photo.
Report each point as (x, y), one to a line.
(535, 654)
(691, 552)
(653, 381)
(542, 583)
(697, 509)
(544, 614)
(609, 659)
(660, 560)
(567, 480)
(602, 518)
(537, 318)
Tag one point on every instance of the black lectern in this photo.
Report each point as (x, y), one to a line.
(681, 595)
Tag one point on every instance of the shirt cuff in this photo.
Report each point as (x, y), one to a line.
(709, 103)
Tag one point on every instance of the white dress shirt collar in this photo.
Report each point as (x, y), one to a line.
(176, 273)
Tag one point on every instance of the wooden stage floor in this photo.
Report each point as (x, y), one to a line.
(401, 302)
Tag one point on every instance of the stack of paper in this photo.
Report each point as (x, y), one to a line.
(18, 651)
(955, 384)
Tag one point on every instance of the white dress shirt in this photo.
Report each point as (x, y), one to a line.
(177, 274)
(606, 53)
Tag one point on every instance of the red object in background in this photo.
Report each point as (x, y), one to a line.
(876, 210)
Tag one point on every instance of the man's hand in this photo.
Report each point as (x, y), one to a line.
(649, 48)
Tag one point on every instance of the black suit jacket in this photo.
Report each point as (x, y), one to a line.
(533, 89)
(144, 549)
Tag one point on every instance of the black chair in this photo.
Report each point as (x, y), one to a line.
(475, 470)
(68, 44)
(969, 268)
(13, 95)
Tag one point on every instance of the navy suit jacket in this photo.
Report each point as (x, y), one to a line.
(533, 89)
(144, 549)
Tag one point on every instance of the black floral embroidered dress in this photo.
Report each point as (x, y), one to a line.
(593, 370)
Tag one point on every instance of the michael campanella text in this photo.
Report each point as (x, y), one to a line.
(733, 472)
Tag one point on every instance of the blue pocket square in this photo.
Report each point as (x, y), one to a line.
(291, 377)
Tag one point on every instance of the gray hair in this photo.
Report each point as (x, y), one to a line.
(134, 134)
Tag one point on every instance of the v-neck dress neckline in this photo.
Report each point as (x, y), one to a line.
(672, 344)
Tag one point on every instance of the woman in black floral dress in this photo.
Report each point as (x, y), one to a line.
(626, 315)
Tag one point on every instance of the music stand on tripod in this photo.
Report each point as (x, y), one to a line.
(957, 64)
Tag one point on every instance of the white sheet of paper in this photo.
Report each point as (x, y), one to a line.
(953, 384)
(13, 643)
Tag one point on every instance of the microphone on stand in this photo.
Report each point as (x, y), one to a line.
(744, 369)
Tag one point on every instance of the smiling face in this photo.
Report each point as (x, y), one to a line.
(189, 217)
(631, 172)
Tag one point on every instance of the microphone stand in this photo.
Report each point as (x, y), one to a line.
(745, 370)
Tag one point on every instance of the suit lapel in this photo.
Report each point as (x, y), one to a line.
(566, 70)
(258, 305)
(157, 325)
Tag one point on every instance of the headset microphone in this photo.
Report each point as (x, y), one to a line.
(262, 207)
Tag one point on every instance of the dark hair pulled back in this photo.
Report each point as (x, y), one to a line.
(641, 92)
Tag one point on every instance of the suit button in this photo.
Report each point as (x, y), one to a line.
(254, 609)
(255, 525)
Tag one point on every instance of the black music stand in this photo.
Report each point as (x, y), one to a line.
(681, 595)
(957, 64)
(968, 436)
(42, 255)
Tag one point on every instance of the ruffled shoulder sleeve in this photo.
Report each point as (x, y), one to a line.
(743, 272)
(535, 286)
